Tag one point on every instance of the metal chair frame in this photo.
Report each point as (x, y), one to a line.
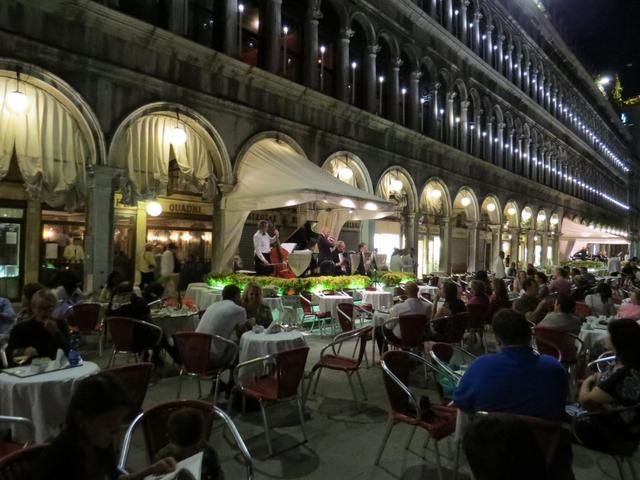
(444, 369)
(338, 341)
(299, 401)
(22, 421)
(606, 358)
(198, 376)
(316, 319)
(352, 321)
(412, 399)
(99, 322)
(116, 352)
(126, 445)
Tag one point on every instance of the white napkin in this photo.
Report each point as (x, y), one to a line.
(59, 362)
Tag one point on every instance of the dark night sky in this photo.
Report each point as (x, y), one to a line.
(604, 34)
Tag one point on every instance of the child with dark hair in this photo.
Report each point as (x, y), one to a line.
(185, 429)
(85, 450)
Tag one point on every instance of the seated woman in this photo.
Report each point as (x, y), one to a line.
(41, 335)
(113, 280)
(601, 303)
(543, 288)
(478, 295)
(252, 301)
(618, 387)
(27, 294)
(86, 448)
(516, 286)
(68, 293)
(631, 309)
(452, 304)
(499, 299)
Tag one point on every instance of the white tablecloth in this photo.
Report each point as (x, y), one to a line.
(254, 345)
(42, 398)
(377, 299)
(591, 332)
(177, 321)
(329, 303)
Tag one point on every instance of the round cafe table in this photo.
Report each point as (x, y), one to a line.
(43, 398)
(255, 345)
(329, 303)
(172, 321)
(377, 299)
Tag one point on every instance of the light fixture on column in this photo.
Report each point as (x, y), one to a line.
(491, 207)
(154, 208)
(177, 136)
(542, 217)
(354, 65)
(323, 50)
(526, 215)
(395, 185)
(511, 211)
(17, 101)
(345, 174)
(465, 201)
(536, 238)
(553, 221)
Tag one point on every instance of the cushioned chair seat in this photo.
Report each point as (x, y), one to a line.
(336, 362)
(262, 389)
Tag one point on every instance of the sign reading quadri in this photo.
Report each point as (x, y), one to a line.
(175, 207)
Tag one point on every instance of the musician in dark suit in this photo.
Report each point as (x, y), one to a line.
(362, 262)
(325, 243)
(341, 259)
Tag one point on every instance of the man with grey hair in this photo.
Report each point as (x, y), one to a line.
(340, 257)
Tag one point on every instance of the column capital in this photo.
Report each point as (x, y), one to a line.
(315, 13)
(103, 175)
(491, 27)
(373, 49)
(477, 16)
(346, 33)
(396, 62)
(416, 75)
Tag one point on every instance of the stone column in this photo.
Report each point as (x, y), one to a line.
(534, 85)
(177, 17)
(369, 78)
(530, 246)
(449, 119)
(499, 146)
(433, 9)
(464, 126)
(496, 243)
(141, 237)
(411, 231)
(393, 98)
(229, 34)
(500, 53)
(32, 243)
(448, 15)
(218, 219)
(522, 163)
(510, 154)
(544, 243)
(343, 66)
(310, 73)
(541, 90)
(515, 243)
(488, 44)
(476, 135)
(474, 263)
(464, 27)
(271, 33)
(99, 237)
(476, 32)
(413, 104)
(509, 62)
(433, 113)
(445, 245)
(526, 73)
(518, 70)
(488, 142)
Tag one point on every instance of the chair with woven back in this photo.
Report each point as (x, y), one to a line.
(154, 426)
(18, 465)
(123, 334)
(405, 407)
(412, 330)
(477, 320)
(194, 350)
(84, 318)
(282, 384)
(574, 353)
(450, 363)
(583, 310)
(135, 378)
(7, 445)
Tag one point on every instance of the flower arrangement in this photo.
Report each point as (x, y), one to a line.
(393, 279)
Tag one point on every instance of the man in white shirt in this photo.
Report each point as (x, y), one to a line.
(74, 252)
(262, 248)
(222, 319)
(498, 268)
(170, 270)
(395, 262)
(409, 261)
(411, 306)
(614, 264)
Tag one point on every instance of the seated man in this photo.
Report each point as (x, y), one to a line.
(563, 316)
(222, 319)
(516, 379)
(528, 301)
(41, 335)
(411, 306)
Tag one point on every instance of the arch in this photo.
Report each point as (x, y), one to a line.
(511, 213)
(340, 9)
(541, 220)
(266, 135)
(391, 42)
(347, 160)
(206, 136)
(408, 191)
(413, 55)
(367, 27)
(70, 99)
(471, 210)
(461, 88)
(438, 204)
(554, 221)
(427, 65)
(526, 217)
(491, 208)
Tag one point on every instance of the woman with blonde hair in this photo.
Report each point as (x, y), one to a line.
(252, 301)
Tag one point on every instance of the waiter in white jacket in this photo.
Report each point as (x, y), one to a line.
(262, 248)
(498, 268)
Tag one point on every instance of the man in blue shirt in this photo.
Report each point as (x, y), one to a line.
(516, 379)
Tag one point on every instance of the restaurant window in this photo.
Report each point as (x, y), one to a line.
(11, 253)
(433, 255)
(62, 246)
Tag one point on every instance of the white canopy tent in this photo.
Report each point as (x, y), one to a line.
(272, 175)
(574, 236)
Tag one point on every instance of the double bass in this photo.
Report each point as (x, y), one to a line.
(279, 257)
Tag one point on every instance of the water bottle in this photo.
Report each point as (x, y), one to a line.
(74, 353)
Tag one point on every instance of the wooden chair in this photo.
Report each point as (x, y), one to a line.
(135, 378)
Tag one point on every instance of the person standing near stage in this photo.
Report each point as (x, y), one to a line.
(362, 260)
(341, 259)
(262, 248)
(325, 243)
